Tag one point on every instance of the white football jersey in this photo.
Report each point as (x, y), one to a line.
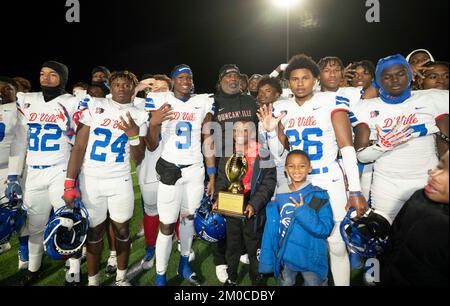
(146, 171)
(309, 127)
(49, 126)
(181, 136)
(420, 111)
(108, 149)
(8, 129)
(354, 96)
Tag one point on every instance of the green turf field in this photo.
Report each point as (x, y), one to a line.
(54, 273)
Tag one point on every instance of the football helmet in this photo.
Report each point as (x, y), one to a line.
(366, 235)
(66, 231)
(12, 218)
(209, 225)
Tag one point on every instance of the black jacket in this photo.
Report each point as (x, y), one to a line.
(233, 108)
(263, 183)
(417, 252)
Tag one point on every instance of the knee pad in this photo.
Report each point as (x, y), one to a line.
(122, 231)
(95, 234)
(167, 229)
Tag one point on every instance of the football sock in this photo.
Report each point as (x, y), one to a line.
(151, 224)
(187, 232)
(163, 250)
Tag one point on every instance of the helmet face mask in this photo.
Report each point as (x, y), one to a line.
(209, 225)
(66, 232)
(367, 236)
(12, 218)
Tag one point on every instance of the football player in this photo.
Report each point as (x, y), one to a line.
(403, 124)
(178, 124)
(109, 132)
(8, 129)
(318, 124)
(46, 130)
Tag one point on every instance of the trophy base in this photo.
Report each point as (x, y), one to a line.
(231, 204)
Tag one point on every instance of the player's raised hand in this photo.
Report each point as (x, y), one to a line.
(349, 73)
(299, 203)
(417, 70)
(161, 114)
(266, 118)
(358, 202)
(130, 128)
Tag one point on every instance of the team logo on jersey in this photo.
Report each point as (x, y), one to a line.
(374, 114)
(99, 110)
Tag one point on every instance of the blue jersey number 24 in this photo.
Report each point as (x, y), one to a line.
(118, 146)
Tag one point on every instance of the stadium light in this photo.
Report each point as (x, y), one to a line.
(285, 4)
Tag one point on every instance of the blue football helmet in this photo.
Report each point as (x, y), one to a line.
(367, 236)
(12, 218)
(66, 231)
(209, 225)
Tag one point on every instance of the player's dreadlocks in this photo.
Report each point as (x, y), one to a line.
(301, 61)
(125, 74)
(330, 60)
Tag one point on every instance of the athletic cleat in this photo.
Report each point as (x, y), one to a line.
(30, 278)
(111, 266)
(184, 269)
(149, 258)
(229, 283)
(160, 280)
(221, 273)
(122, 283)
(5, 247)
(244, 259)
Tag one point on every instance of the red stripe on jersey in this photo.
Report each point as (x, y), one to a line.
(339, 110)
(440, 116)
(21, 111)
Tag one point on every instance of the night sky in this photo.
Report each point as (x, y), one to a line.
(153, 36)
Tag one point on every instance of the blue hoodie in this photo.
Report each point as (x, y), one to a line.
(305, 229)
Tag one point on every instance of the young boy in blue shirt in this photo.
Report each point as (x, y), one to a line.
(299, 221)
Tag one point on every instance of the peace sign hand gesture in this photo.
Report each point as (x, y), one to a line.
(130, 128)
(297, 204)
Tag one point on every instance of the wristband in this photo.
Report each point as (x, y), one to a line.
(133, 137)
(135, 142)
(356, 194)
(211, 170)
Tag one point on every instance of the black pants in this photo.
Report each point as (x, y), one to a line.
(240, 233)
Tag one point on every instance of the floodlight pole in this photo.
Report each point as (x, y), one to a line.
(287, 33)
